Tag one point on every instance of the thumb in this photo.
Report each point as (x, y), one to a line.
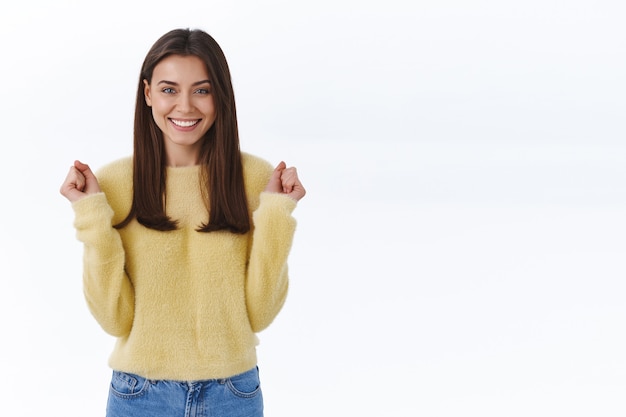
(83, 168)
(274, 185)
(91, 182)
(279, 168)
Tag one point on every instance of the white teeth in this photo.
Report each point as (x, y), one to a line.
(184, 123)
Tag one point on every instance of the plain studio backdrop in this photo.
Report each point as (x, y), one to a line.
(460, 251)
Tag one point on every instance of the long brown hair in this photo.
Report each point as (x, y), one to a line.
(220, 156)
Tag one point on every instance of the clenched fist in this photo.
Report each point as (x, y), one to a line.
(79, 183)
(285, 181)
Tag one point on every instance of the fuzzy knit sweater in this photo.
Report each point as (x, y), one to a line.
(184, 305)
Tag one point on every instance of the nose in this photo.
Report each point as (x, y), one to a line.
(184, 103)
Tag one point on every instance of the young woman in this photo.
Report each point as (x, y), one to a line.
(185, 243)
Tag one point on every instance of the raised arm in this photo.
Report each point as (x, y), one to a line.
(108, 290)
(267, 279)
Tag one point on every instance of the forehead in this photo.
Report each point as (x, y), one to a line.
(180, 69)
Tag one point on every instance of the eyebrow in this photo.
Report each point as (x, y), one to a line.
(176, 84)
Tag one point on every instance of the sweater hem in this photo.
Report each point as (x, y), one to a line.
(205, 374)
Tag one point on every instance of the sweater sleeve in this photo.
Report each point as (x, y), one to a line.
(267, 276)
(108, 290)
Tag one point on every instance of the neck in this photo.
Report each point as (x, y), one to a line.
(181, 158)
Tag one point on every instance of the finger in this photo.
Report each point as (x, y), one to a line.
(280, 167)
(74, 179)
(79, 180)
(298, 191)
(84, 169)
(74, 184)
(278, 174)
(288, 178)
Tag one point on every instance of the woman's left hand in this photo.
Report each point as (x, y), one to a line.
(285, 181)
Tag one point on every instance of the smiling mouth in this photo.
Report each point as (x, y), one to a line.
(185, 123)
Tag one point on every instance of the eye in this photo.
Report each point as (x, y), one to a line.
(203, 91)
(168, 90)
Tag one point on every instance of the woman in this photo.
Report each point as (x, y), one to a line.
(185, 243)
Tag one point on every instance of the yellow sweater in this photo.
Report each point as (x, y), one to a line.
(184, 305)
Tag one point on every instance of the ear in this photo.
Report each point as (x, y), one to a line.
(147, 92)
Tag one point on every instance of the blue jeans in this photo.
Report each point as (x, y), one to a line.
(134, 396)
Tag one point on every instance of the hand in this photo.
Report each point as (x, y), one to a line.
(285, 181)
(79, 183)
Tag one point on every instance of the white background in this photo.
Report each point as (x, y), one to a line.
(460, 251)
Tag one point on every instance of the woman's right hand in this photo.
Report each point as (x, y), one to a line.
(79, 183)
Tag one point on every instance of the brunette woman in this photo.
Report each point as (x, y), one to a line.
(185, 243)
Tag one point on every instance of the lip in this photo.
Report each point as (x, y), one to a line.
(184, 124)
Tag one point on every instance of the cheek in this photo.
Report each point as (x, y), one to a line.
(159, 118)
(159, 110)
(209, 110)
(209, 105)
(155, 113)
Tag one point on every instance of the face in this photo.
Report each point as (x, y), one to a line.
(182, 106)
